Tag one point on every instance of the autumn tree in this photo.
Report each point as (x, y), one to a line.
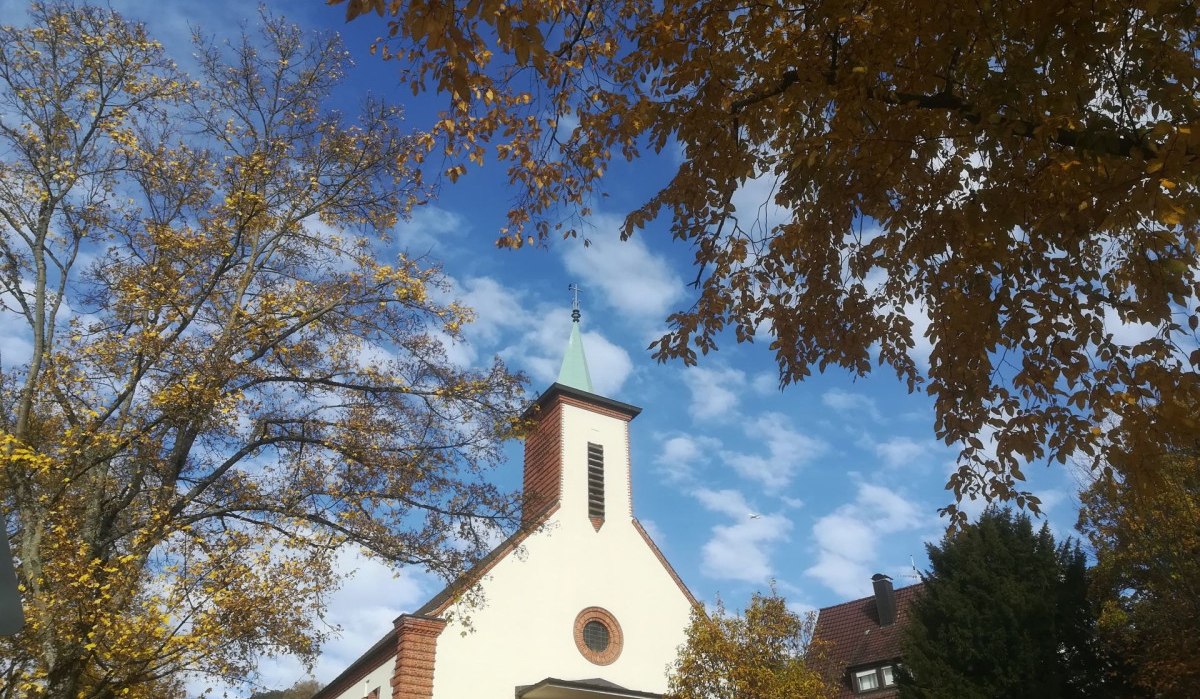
(1004, 611)
(1146, 540)
(233, 374)
(760, 654)
(1012, 182)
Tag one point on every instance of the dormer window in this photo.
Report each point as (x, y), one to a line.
(866, 680)
(870, 679)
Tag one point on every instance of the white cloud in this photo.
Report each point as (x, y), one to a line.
(786, 450)
(765, 383)
(427, 229)
(889, 511)
(849, 403)
(848, 538)
(498, 309)
(715, 390)
(741, 550)
(727, 502)
(639, 284)
(846, 546)
(608, 364)
(680, 454)
(899, 452)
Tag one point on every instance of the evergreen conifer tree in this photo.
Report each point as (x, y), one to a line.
(1004, 612)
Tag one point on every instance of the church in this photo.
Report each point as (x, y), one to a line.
(578, 604)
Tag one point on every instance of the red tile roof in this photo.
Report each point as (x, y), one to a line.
(849, 636)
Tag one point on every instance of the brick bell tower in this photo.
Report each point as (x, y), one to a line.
(577, 455)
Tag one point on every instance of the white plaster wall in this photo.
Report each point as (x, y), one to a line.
(380, 677)
(580, 427)
(524, 632)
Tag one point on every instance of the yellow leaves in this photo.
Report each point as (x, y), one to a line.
(238, 358)
(18, 455)
(760, 653)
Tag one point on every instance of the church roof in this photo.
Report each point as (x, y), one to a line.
(561, 389)
(552, 688)
(574, 369)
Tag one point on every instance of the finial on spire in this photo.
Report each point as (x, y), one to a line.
(574, 289)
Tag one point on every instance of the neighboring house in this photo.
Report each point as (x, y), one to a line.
(860, 640)
(579, 604)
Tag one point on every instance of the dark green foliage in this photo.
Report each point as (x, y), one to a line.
(1004, 613)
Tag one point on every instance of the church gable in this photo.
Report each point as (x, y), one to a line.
(538, 605)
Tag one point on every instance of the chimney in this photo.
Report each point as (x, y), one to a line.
(885, 599)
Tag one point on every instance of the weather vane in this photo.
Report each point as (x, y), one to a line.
(574, 289)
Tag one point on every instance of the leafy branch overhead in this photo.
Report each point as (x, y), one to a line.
(234, 375)
(1016, 182)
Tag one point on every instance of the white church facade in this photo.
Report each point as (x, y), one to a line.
(579, 604)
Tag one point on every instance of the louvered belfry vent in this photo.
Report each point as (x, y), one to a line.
(595, 480)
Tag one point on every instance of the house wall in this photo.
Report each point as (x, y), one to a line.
(379, 678)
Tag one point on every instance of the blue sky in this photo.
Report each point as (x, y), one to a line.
(845, 475)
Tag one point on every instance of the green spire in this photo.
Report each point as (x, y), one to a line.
(574, 371)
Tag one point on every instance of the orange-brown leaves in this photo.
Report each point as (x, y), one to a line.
(1024, 175)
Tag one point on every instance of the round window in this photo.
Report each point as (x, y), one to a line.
(595, 635)
(598, 635)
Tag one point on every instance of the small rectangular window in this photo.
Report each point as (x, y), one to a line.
(865, 680)
(595, 480)
(888, 680)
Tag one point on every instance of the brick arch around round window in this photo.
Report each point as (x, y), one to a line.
(612, 631)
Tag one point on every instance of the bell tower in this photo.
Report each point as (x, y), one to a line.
(577, 455)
